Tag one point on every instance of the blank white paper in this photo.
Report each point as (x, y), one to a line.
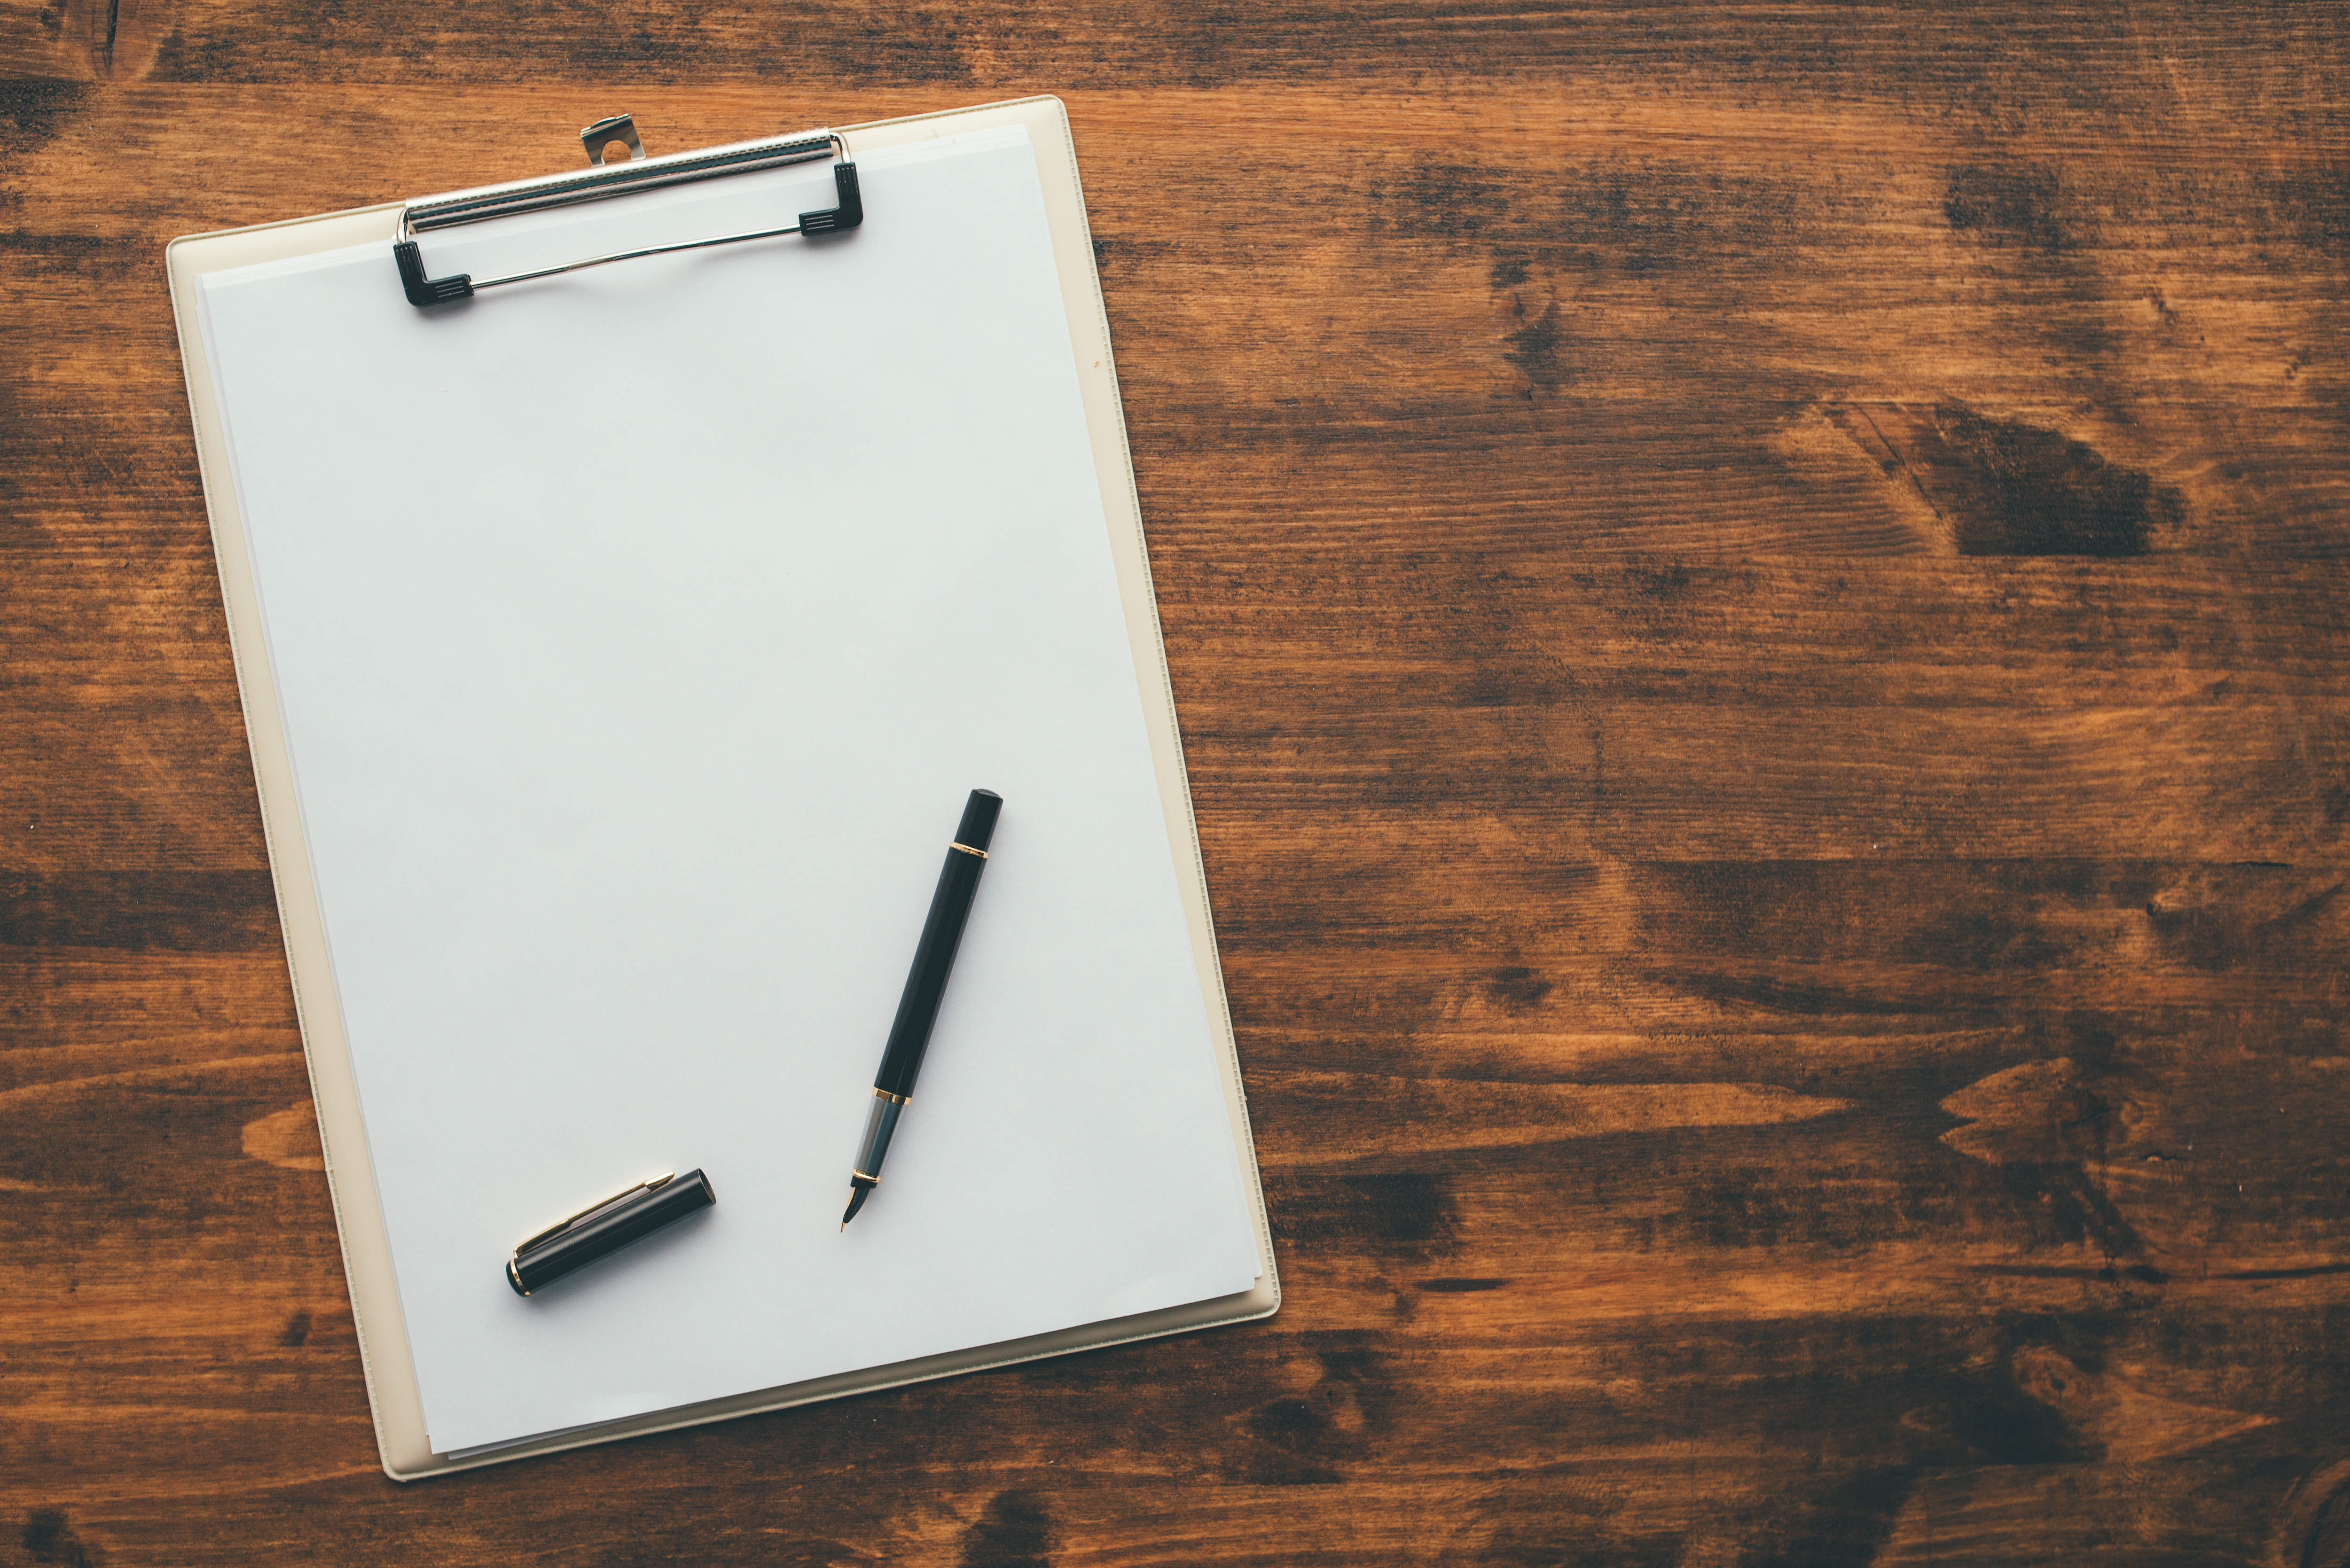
(638, 635)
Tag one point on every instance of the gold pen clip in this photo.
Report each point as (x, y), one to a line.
(560, 1226)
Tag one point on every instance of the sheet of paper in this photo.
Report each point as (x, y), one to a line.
(638, 634)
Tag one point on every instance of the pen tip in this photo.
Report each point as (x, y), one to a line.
(857, 1192)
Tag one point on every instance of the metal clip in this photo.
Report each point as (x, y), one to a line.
(619, 128)
(560, 1226)
(603, 180)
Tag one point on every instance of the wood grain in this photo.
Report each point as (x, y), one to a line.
(1756, 596)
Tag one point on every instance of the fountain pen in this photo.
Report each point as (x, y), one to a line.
(926, 987)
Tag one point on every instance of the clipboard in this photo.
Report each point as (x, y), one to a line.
(406, 1449)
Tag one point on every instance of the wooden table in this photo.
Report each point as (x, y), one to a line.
(1757, 596)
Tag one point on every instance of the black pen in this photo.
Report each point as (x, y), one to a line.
(926, 987)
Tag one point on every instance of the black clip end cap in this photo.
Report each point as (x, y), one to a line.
(847, 216)
(422, 290)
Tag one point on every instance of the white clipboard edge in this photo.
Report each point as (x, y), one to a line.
(401, 1438)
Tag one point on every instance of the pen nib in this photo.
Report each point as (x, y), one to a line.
(855, 1201)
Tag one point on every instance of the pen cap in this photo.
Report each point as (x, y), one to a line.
(605, 1230)
(978, 814)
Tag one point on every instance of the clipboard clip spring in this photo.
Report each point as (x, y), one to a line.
(601, 181)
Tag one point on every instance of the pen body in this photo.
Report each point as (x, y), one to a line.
(926, 987)
(934, 955)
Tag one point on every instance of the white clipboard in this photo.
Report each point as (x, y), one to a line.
(406, 1449)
